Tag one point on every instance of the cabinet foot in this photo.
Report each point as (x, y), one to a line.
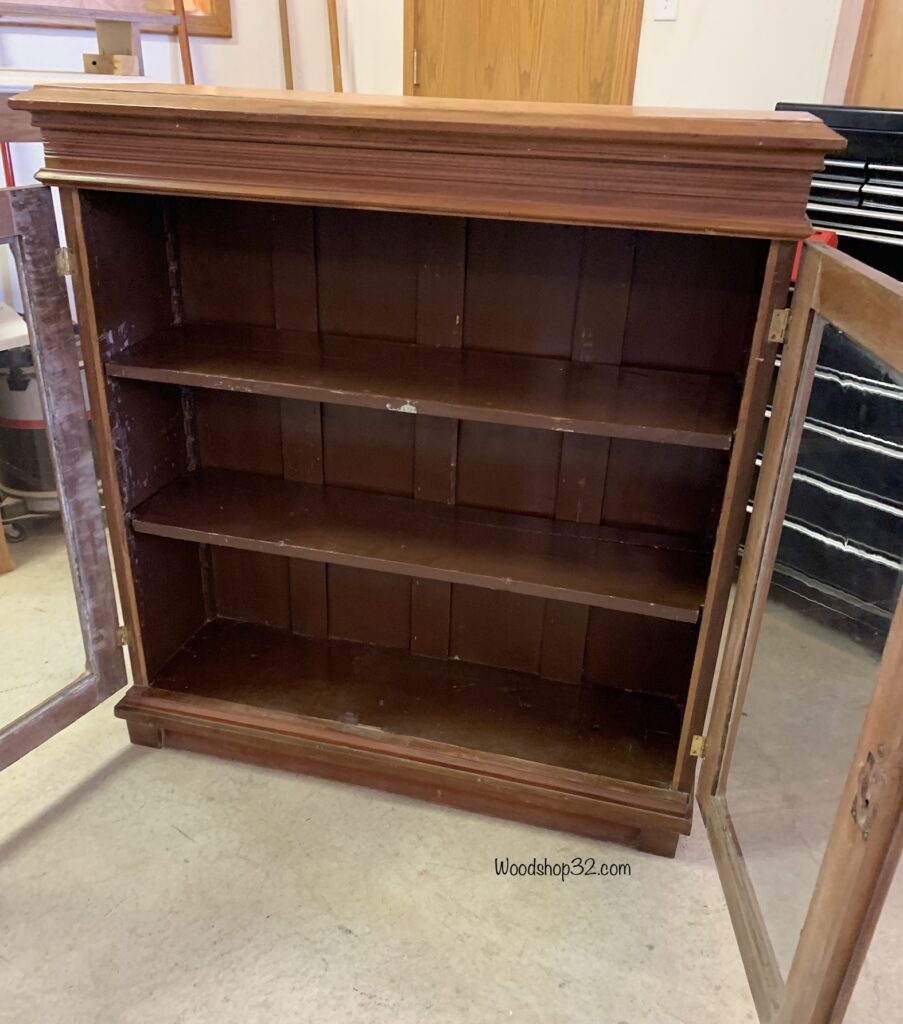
(658, 841)
(145, 734)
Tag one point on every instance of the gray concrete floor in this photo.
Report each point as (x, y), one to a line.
(140, 885)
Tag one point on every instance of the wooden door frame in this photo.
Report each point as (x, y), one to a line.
(862, 850)
(848, 54)
(28, 224)
(625, 86)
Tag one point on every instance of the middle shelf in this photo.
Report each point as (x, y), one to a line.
(501, 551)
(662, 406)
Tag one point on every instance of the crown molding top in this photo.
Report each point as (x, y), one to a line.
(727, 172)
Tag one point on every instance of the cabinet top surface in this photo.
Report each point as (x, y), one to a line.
(795, 129)
(721, 172)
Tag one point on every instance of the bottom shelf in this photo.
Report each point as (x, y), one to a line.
(396, 696)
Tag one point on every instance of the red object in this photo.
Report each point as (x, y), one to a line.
(825, 237)
(8, 174)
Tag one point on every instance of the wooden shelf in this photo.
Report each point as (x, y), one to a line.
(645, 405)
(392, 699)
(521, 554)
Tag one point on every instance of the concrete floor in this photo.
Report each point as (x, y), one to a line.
(140, 885)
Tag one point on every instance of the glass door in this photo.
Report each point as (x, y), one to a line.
(801, 786)
(28, 225)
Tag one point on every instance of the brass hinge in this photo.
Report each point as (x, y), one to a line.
(415, 71)
(697, 747)
(65, 262)
(780, 322)
(123, 636)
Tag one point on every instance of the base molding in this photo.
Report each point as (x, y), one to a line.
(643, 817)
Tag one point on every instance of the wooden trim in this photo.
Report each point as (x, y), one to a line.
(335, 50)
(885, 877)
(564, 163)
(184, 45)
(506, 786)
(29, 224)
(853, 16)
(285, 35)
(94, 375)
(759, 373)
(860, 50)
(759, 958)
(407, 48)
(864, 303)
(728, 698)
(629, 31)
(862, 853)
(69, 12)
(218, 23)
(6, 563)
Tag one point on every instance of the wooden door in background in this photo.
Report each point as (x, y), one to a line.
(876, 74)
(582, 51)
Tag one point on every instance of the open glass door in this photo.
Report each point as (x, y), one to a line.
(28, 225)
(801, 787)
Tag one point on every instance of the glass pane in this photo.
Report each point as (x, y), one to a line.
(836, 583)
(41, 645)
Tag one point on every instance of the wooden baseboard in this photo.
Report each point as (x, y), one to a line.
(237, 732)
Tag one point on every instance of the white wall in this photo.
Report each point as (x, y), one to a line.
(719, 53)
(742, 54)
(371, 33)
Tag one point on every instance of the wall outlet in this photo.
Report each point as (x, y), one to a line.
(665, 10)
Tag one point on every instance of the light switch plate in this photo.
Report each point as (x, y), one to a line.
(665, 10)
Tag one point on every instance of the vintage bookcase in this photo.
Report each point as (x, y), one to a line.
(427, 427)
(342, 544)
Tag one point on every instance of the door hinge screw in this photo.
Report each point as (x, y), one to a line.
(697, 747)
(123, 636)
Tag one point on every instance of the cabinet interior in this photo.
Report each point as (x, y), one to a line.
(450, 479)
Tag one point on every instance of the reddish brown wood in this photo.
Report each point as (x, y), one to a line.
(657, 841)
(651, 405)
(394, 701)
(740, 174)
(453, 441)
(503, 552)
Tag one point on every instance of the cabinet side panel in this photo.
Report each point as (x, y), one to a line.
(126, 251)
(170, 594)
(126, 292)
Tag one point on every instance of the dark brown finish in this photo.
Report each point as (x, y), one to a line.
(495, 446)
(522, 554)
(28, 224)
(644, 404)
(756, 393)
(392, 699)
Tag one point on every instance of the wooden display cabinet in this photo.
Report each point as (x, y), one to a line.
(428, 427)
(426, 464)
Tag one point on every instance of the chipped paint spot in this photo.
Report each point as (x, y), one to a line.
(404, 407)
